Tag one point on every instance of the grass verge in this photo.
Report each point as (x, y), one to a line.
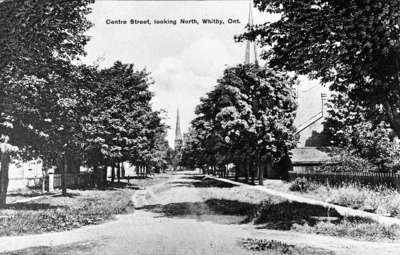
(280, 214)
(276, 247)
(79, 208)
(59, 213)
(381, 200)
(76, 248)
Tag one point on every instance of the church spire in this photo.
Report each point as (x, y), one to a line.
(178, 133)
(248, 43)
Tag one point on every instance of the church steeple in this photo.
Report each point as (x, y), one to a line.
(178, 133)
(248, 43)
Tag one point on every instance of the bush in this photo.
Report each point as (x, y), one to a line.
(350, 195)
(302, 185)
(391, 205)
(350, 163)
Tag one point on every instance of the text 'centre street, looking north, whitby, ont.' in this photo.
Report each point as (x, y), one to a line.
(181, 21)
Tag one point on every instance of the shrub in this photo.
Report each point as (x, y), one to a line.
(350, 163)
(303, 185)
(350, 195)
(391, 205)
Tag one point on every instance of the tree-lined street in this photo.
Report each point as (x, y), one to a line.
(92, 123)
(176, 217)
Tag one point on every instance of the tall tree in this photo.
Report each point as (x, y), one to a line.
(248, 117)
(39, 39)
(121, 126)
(354, 46)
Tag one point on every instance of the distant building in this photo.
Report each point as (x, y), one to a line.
(178, 134)
(311, 115)
(311, 159)
(313, 149)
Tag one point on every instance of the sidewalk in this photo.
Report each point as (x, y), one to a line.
(344, 211)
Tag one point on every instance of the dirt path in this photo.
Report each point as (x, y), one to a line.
(172, 218)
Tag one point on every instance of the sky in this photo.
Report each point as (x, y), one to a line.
(185, 60)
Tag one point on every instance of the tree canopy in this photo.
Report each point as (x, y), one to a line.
(354, 46)
(361, 132)
(55, 109)
(247, 117)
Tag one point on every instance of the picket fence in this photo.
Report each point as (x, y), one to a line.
(338, 178)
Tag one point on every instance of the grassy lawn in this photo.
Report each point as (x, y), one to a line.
(272, 247)
(59, 213)
(77, 248)
(79, 208)
(277, 213)
(381, 200)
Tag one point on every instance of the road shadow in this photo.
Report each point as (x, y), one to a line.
(283, 215)
(26, 195)
(111, 186)
(201, 182)
(214, 210)
(268, 215)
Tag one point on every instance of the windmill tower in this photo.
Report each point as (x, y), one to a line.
(178, 133)
(249, 44)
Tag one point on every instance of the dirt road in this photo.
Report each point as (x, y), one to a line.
(174, 218)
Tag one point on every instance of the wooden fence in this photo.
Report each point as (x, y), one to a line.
(373, 179)
(74, 180)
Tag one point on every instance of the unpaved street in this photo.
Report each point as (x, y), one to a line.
(175, 218)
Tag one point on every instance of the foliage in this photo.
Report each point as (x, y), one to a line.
(301, 185)
(121, 126)
(59, 111)
(354, 46)
(248, 116)
(349, 162)
(363, 133)
(39, 95)
(40, 37)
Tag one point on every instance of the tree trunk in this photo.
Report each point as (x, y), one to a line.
(4, 167)
(260, 168)
(104, 175)
(252, 171)
(269, 169)
(113, 173)
(119, 172)
(246, 174)
(64, 175)
(237, 169)
(95, 176)
(122, 170)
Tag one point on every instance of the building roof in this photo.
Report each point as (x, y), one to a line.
(314, 155)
